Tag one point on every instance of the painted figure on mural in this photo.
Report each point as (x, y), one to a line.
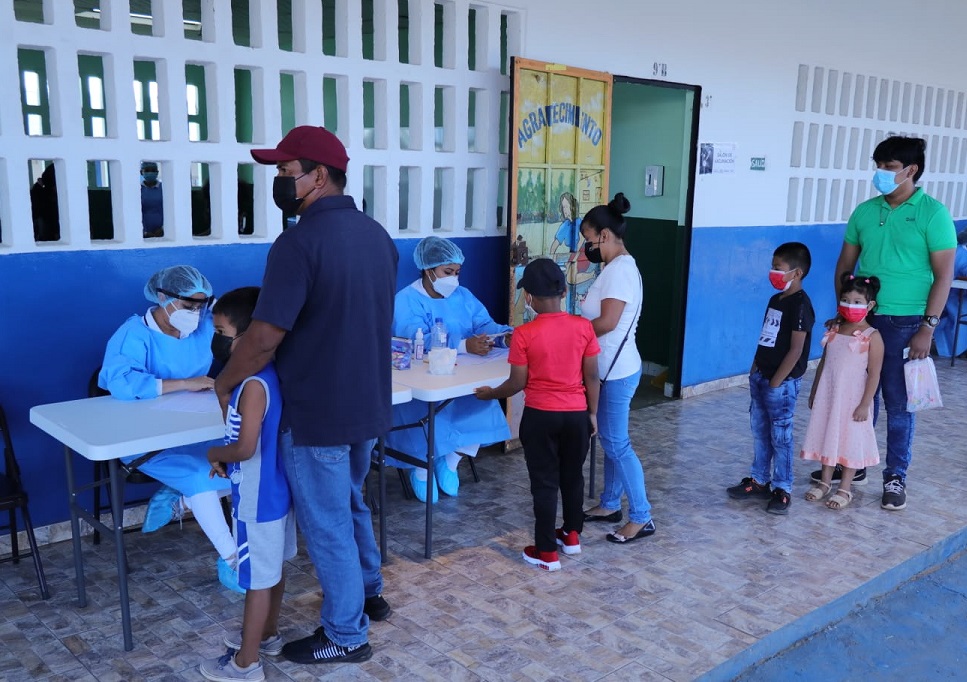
(579, 272)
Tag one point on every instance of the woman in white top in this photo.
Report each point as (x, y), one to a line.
(613, 305)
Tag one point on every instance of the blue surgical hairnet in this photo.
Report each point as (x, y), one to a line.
(434, 251)
(182, 280)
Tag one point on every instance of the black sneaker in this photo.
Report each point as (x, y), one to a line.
(748, 489)
(894, 494)
(318, 648)
(377, 608)
(779, 503)
(859, 478)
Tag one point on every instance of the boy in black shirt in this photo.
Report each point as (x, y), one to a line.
(780, 361)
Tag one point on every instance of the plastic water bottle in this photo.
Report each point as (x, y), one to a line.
(418, 345)
(439, 333)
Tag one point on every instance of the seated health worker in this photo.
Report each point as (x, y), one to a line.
(466, 423)
(168, 349)
(943, 336)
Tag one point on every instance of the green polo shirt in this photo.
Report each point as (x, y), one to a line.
(895, 245)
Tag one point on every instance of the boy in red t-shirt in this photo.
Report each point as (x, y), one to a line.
(554, 361)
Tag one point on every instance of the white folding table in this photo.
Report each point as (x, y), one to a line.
(106, 429)
(436, 390)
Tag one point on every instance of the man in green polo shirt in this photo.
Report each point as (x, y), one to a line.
(907, 239)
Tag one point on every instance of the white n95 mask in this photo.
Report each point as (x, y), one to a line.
(185, 321)
(446, 285)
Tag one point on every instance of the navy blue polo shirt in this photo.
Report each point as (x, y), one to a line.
(330, 282)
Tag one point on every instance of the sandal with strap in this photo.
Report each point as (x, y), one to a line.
(818, 491)
(841, 499)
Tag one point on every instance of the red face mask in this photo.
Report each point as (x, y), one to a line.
(777, 278)
(852, 312)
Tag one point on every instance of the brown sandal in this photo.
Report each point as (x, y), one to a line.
(818, 491)
(841, 499)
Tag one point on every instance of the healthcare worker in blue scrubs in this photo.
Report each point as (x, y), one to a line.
(466, 423)
(168, 349)
(943, 336)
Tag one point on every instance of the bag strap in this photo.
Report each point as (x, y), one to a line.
(627, 333)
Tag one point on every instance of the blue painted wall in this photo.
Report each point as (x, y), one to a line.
(60, 308)
(729, 287)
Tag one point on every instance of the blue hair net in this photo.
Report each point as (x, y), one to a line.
(434, 251)
(182, 280)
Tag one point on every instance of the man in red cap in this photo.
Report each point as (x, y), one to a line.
(326, 317)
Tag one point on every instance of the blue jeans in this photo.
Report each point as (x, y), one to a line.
(896, 332)
(770, 413)
(326, 484)
(622, 468)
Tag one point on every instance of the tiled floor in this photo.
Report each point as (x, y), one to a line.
(718, 576)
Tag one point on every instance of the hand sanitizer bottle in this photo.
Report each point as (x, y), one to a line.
(418, 345)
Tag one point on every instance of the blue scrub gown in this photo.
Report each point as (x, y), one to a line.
(465, 421)
(135, 358)
(943, 336)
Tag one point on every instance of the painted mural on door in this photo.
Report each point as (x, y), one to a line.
(559, 158)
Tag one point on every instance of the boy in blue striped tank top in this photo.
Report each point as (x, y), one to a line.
(263, 520)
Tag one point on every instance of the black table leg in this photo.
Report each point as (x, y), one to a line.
(381, 469)
(117, 514)
(430, 479)
(75, 529)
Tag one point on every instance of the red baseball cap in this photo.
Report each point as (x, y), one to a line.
(314, 143)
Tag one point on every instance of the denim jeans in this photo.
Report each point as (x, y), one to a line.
(326, 484)
(896, 332)
(770, 413)
(622, 468)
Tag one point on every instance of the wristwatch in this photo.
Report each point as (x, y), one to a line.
(931, 321)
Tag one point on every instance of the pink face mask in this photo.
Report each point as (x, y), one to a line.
(777, 278)
(852, 312)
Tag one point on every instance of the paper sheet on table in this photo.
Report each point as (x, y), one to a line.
(496, 355)
(187, 401)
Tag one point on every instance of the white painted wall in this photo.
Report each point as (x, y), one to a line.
(746, 56)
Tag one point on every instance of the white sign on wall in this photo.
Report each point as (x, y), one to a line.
(716, 157)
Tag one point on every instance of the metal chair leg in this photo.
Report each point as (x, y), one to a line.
(35, 553)
(473, 469)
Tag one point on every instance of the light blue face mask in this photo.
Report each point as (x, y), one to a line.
(885, 180)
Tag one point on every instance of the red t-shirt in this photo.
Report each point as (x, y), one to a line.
(553, 347)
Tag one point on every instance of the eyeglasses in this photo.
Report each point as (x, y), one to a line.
(189, 303)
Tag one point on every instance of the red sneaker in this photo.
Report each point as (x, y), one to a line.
(547, 561)
(570, 542)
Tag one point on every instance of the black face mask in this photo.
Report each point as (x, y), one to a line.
(593, 255)
(222, 347)
(284, 194)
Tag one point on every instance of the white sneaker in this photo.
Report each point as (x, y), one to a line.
(225, 669)
(270, 646)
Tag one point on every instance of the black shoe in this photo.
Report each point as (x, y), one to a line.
(613, 517)
(894, 494)
(318, 648)
(377, 608)
(859, 478)
(779, 503)
(749, 489)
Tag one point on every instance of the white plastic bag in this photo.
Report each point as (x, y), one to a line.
(442, 360)
(923, 391)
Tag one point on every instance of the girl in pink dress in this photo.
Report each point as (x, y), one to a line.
(840, 427)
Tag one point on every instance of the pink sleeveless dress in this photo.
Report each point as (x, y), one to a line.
(832, 436)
